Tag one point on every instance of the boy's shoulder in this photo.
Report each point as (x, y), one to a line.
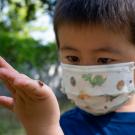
(73, 114)
(70, 113)
(74, 122)
(73, 117)
(76, 119)
(79, 122)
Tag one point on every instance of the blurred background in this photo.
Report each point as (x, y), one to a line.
(27, 42)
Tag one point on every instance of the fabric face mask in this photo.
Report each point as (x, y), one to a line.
(99, 89)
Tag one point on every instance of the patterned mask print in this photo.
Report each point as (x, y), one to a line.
(99, 89)
(97, 80)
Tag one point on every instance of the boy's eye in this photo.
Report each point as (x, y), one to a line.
(104, 60)
(73, 59)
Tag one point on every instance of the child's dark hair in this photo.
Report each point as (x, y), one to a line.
(117, 15)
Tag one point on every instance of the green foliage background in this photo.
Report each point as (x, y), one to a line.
(20, 49)
(16, 46)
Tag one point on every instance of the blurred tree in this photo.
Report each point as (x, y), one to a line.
(16, 44)
(19, 50)
(19, 12)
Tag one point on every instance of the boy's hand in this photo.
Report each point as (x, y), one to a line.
(33, 102)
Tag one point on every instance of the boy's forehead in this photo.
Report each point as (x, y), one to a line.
(86, 33)
(74, 38)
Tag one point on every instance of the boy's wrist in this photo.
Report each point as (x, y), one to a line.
(49, 130)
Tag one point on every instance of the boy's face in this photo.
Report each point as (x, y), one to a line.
(93, 46)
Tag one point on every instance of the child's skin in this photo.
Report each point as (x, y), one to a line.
(34, 104)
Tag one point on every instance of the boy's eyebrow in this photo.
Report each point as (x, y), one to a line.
(108, 49)
(104, 49)
(68, 48)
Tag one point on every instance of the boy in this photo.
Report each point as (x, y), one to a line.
(96, 44)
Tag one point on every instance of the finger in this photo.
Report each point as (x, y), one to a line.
(8, 75)
(7, 102)
(33, 88)
(15, 81)
(24, 83)
(21, 83)
(4, 64)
